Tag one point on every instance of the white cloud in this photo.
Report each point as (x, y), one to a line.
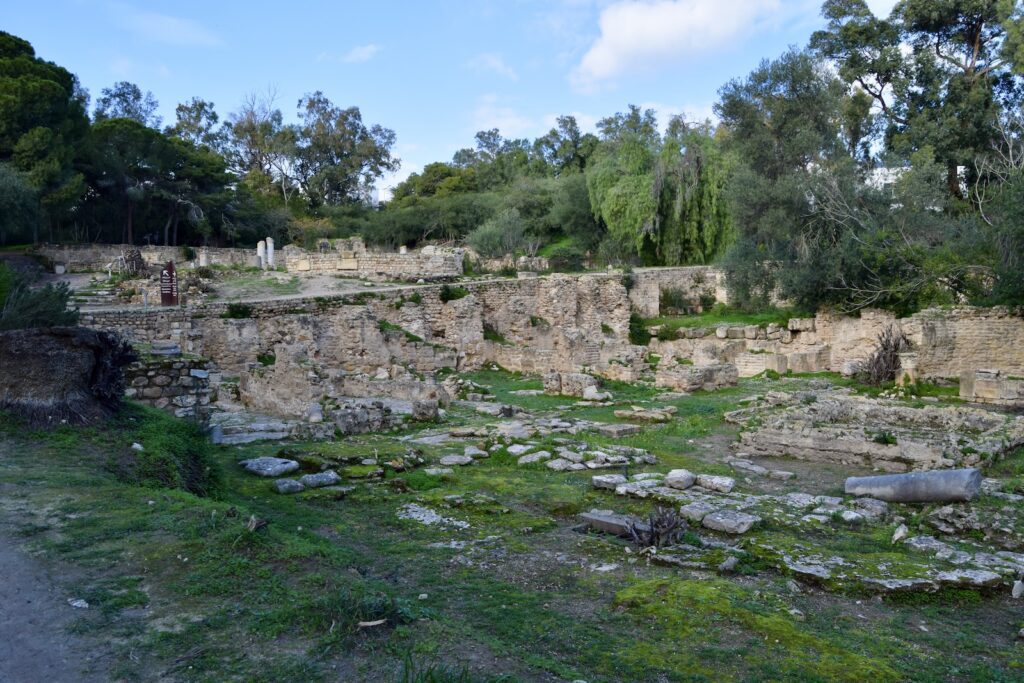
(163, 28)
(493, 63)
(491, 113)
(636, 35)
(361, 53)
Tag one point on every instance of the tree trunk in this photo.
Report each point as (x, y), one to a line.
(175, 228)
(167, 225)
(131, 213)
(953, 180)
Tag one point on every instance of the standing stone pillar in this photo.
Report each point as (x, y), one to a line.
(908, 369)
(261, 254)
(270, 253)
(204, 257)
(403, 249)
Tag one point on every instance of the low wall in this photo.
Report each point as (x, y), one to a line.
(178, 385)
(87, 258)
(351, 257)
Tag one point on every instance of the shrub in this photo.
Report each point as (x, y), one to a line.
(492, 335)
(664, 527)
(449, 293)
(638, 333)
(883, 364)
(21, 307)
(503, 234)
(237, 311)
(567, 258)
(674, 301)
(266, 359)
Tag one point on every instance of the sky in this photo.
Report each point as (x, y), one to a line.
(434, 71)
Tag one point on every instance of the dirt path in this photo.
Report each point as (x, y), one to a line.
(35, 645)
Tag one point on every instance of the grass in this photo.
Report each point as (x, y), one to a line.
(183, 590)
(722, 315)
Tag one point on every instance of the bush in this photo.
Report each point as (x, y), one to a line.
(672, 301)
(883, 364)
(638, 333)
(449, 293)
(567, 258)
(503, 234)
(237, 311)
(21, 307)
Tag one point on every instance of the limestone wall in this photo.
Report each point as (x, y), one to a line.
(648, 283)
(948, 342)
(351, 257)
(82, 258)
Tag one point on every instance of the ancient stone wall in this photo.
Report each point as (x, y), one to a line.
(693, 281)
(350, 257)
(178, 385)
(84, 258)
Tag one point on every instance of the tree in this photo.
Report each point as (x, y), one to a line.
(127, 101)
(42, 124)
(337, 157)
(196, 122)
(124, 162)
(948, 91)
(19, 207)
(694, 225)
(565, 148)
(781, 124)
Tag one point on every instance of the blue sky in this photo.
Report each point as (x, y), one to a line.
(435, 71)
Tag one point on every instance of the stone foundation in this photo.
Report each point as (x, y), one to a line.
(176, 385)
(887, 436)
(992, 386)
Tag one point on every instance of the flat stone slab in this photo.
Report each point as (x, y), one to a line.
(608, 522)
(315, 481)
(607, 481)
(616, 431)
(269, 467)
(680, 479)
(438, 471)
(288, 486)
(730, 521)
(459, 460)
(697, 511)
(716, 483)
(533, 457)
(474, 452)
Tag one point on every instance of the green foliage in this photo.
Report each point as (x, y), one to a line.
(492, 335)
(449, 293)
(176, 453)
(503, 234)
(385, 326)
(237, 311)
(22, 307)
(266, 359)
(638, 333)
(19, 206)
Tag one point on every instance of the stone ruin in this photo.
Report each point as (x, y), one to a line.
(891, 436)
(992, 386)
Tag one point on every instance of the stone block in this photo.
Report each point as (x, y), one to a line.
(680, 479)
(730, 521)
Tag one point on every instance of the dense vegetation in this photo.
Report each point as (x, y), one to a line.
(879, 166)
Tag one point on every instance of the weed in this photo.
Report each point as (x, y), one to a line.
(237, 311)
(450, 293)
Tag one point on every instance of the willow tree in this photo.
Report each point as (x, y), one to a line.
(693, 222)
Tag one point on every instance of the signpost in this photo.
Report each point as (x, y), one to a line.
(168, 285)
